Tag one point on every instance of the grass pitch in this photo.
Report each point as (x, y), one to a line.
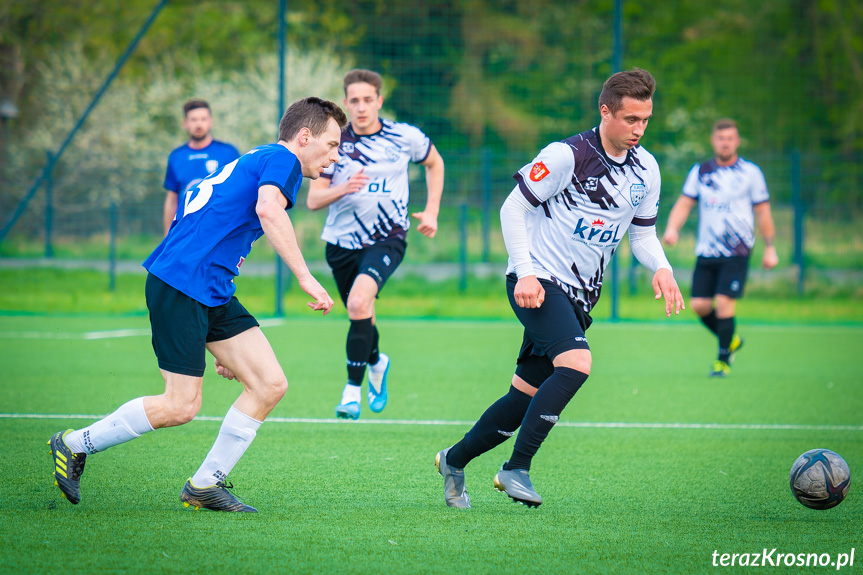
(694, 465)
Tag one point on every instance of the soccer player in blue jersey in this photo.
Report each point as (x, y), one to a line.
(194, 160)
(190, 295)
(367, 195)
(727, 189)
(562, 223)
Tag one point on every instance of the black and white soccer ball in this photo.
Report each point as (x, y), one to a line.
(820, 479)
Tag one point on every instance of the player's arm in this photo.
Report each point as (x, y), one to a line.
(434, 182)
(764, 217)
(677, 217)
(528, 293)
(648, 251)
(280, 231)
(169, 210)
(322, 193)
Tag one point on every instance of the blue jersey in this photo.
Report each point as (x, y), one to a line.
(187, 166)
(216, 224)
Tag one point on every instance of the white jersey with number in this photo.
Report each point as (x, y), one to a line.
(380, 210)
(584, 203)
(726, 195)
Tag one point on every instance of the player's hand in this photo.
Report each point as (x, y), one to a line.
(664, 285)
(224, 371)
(770, 259)
(528, 292)
(323, 301)
(670, 237)
(427, 225)
(356, 182)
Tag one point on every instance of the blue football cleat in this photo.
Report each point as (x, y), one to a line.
(378, 384)
(348, 410)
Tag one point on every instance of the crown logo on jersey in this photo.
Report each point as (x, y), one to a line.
(538, 172)
(599, 223)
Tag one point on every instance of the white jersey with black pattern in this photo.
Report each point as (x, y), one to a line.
(726, 195)
(584, 202)
(380, 210)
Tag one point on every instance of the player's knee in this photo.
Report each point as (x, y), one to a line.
(577, 361)
(358, 307)
(274, 388)
(179, 413)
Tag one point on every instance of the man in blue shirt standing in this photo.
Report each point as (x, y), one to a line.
(194, 160)
(190, 295)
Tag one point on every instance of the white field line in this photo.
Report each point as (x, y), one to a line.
(441, 422)
(108, 334)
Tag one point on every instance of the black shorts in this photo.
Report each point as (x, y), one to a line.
(555, 327)
(724, 276)
(378, 261)
(182, 326)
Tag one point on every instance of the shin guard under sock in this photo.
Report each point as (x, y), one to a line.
(495, 426)
(359, 348)
(545, 408)
(725, 332)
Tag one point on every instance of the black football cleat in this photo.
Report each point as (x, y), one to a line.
(68, 467)
(215, 498)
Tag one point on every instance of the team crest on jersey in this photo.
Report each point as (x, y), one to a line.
(392, 153)
(348, 147)
(211, 166)
(538, 172)
(636, 193)
(590, 184)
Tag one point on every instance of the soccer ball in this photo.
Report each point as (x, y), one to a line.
(820, 479)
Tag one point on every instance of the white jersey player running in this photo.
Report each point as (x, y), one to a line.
(562, 224)
(367, 195)
(731, 194)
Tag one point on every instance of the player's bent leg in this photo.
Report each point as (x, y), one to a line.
(359, 346)
(701, 305)
(252, 360)
(725, 332)
(180, 403)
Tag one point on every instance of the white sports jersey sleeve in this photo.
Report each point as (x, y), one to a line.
(548, 174)
(420, 144)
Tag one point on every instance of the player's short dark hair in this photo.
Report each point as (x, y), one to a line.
(312, 113)
(368, 76)
(194, 105)
(637, 84)
(724, 124)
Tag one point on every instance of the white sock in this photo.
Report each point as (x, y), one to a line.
(125, 424)
(237, 432)
(351, 394)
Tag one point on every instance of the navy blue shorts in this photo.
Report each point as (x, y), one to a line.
(725, 276)
(378, 261)
(557, 326)
(182, 326)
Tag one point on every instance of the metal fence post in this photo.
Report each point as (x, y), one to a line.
(485, 188)
(799, 219)
(112, 245)
(49, 208)
(462, 284)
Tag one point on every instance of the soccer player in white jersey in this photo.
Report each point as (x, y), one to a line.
(562, 223)
(727, 189)
(367, 195)
(190, 295)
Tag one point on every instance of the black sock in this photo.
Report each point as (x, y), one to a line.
(495, 426)
(545, 407)
(709, 321)
(375, 355)
(359, 347)
(725, 331)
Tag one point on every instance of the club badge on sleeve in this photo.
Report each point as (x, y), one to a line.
(538, 172)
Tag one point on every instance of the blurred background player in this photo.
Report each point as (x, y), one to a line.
(727, 189)
(367, 195)
(562, 223)
(194, 160)
(190, 295)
